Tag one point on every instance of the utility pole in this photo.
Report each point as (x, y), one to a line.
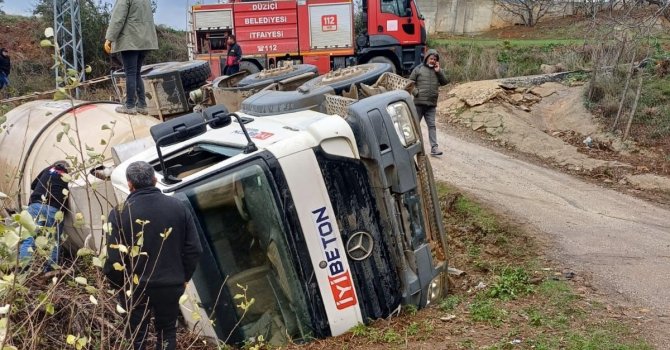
(69, 42)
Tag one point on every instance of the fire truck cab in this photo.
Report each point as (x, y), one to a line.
(329, 34)
(326, 216)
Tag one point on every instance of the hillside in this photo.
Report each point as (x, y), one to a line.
(31, 64)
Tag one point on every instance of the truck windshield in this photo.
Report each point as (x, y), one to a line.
(244, 234)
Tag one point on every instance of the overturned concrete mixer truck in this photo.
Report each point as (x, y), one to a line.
(323, 208)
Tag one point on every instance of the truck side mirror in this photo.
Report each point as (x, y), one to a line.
(174, 131)
(217, 116)
(178, 129)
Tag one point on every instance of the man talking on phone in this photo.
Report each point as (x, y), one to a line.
(428, 78)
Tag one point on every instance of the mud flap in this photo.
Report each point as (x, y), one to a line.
(437, 238)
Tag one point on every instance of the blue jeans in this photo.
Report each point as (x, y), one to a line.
(44, 215)
(132, 65)
(4, 80)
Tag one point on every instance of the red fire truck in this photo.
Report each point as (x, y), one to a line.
(325, 33)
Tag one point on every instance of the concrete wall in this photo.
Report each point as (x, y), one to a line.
(474, 16)
(457, 16)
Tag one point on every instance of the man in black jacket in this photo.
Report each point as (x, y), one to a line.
(234, 56)
(429, 77)
(48, 197)
(153, 249)
(5, 68)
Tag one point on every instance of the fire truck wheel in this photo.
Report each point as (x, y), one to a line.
(277, 74)
(383, 59)
(342, 79)
(249, 67)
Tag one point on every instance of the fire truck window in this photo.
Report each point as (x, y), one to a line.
(217, 43)
(242, 222)
(395, 7)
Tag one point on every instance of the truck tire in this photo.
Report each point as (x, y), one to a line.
(383, 59)
(277, 74)
(193, 74)
(121, 73)
(249, 67)
(342, 79)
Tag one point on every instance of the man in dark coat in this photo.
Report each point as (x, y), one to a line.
(48, 197)
(234, 56)
(428, 78)
(5, 68)
(153, 248)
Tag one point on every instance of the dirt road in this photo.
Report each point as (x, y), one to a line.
(623, 241)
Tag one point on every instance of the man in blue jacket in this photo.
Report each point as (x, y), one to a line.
(234, 56)
(5, 68)
(162, 250)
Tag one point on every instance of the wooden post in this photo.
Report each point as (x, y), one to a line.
(632, 113)
(158, 105)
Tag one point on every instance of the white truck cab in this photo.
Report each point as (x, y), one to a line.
(326, 219)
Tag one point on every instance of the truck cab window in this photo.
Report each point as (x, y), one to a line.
(395, 7)
(242, 225)
(195, 158)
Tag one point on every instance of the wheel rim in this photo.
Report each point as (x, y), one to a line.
(346, 73)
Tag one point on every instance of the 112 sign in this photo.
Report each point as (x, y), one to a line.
(329, 23)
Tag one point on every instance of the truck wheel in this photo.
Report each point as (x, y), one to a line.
(249, 67)
(277, 74)
(383, 59)
(193, 74)
(121, 73)
(342, 79)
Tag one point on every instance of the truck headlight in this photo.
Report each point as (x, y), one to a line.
(402, 122)
(435, 289)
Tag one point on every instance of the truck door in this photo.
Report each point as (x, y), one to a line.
(247, 255)
(399, 19)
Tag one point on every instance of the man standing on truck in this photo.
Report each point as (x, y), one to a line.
(234, 56)
(428, 78)
(48, 197)
(132, 33)
(162, 250)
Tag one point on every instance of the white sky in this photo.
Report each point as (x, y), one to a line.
(170, 12)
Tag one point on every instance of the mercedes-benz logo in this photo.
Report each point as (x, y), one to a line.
(359, 245)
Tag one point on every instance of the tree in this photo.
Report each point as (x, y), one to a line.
(528, 11)
(94, 18)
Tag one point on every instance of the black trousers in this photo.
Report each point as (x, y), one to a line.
(132, 65)
(230, 70)
(163, 304)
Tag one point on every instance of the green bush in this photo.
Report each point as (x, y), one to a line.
(510, 284)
